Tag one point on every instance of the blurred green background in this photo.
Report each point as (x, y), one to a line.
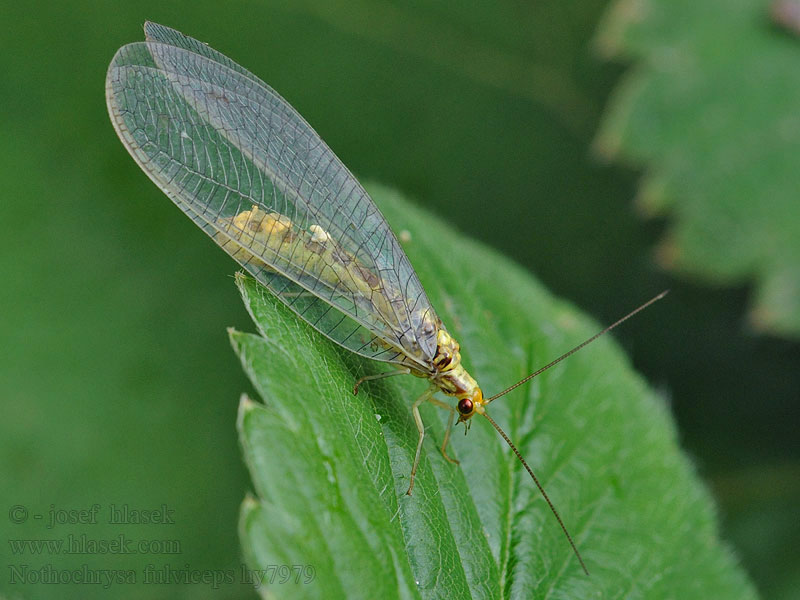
(117, 382)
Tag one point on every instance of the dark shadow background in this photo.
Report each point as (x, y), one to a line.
(117, 384)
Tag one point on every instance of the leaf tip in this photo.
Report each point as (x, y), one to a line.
(653, 196)
(606, 145)
(246, 406)
(233, 337)
(242, 283)
(667, 253)
(249, 512)
(249, 503)
(609, 42)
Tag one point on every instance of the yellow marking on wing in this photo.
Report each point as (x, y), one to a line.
(274, 242)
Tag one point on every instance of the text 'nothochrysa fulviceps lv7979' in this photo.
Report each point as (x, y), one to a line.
(252, 173)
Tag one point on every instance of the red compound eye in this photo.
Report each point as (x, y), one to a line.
(465, 406)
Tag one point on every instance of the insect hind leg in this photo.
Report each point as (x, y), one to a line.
(403, 371)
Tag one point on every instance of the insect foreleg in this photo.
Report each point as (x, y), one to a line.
(453, 411)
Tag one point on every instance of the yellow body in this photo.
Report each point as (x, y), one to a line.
(450, 376)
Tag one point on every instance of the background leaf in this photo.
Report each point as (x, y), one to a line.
(715, 123)
(330, 470)
(118, 384)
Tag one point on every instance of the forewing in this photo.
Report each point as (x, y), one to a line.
(249, 170)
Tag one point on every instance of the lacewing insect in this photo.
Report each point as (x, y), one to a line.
(247, 168)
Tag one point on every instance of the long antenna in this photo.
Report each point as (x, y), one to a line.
(576, 348)
(539, 372)
(541, 489)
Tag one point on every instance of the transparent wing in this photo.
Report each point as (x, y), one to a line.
(249, 170)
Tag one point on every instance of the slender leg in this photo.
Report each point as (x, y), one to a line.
(421, 428)
(452, 410)
(403, 371)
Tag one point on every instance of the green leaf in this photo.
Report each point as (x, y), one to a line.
(330, 470)
(710, 111)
